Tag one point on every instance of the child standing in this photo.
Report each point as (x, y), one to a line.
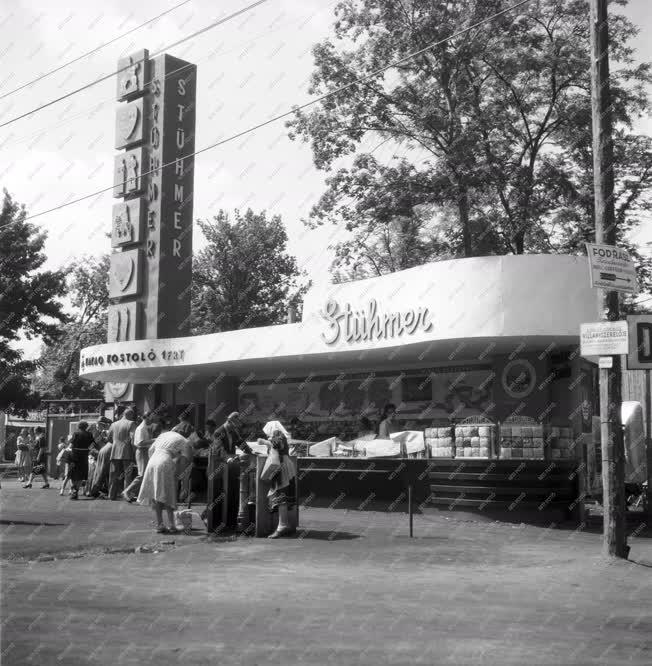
(65, 458)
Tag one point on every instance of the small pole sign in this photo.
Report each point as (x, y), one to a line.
(611, 268)
(640, 342)
(605, 338)
(606, 362)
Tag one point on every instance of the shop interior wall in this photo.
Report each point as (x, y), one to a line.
(221, 397)
(268, 394)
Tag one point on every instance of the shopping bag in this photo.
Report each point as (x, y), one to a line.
(183, 520)
(272, 466)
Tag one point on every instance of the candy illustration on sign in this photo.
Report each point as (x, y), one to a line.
(123, 229)
(123, 268)
(356, 326)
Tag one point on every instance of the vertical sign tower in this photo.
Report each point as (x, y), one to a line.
(151, 225)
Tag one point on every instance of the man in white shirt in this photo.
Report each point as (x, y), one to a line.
(143, 436)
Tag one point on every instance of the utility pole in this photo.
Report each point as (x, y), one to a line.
(613, 450)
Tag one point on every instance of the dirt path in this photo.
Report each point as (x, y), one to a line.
(352, 589)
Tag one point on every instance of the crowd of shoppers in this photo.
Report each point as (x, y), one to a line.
(151, 462)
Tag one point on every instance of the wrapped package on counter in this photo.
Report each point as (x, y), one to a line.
(412, 440)
(323, 449)
(382, 448)
(259, 448)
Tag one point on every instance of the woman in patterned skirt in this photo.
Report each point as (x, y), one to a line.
(282, 496)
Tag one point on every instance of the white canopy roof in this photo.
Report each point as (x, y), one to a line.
(449, 311)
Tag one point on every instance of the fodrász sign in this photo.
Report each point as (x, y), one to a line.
(369, 325)
(611, 268)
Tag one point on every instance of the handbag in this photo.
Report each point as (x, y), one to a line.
(38, 469)
(272, 466)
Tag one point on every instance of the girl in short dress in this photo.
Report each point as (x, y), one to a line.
(64, 459)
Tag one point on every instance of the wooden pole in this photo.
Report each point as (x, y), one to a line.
(613, 459)
(648, 444)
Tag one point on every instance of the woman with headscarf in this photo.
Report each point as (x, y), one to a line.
(100, 483)
(281, 496)
(82, 442)
(170, 450)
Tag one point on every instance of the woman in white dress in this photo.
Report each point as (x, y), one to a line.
(170, 451)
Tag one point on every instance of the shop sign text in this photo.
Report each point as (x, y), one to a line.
(369, 325)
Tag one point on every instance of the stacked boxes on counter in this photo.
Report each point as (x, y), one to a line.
(561, 443)
(522, 441)
(474, 441)
(440, 442)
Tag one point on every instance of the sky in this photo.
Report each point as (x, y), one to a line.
(249, 69)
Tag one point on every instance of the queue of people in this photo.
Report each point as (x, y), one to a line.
(151, 462)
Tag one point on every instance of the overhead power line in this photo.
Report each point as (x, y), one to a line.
(112, 74)
(95, 50)
(88, 111)
(292, 111)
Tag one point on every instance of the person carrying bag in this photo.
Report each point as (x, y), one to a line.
(280, 472)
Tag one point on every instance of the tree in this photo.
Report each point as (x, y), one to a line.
(389, 217)
(244, 277)
(28, 300)
(495, 120)
(58, 375)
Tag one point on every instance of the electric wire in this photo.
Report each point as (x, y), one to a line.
(285, 114)
(91, 110)
(153, 55)
(92, 51)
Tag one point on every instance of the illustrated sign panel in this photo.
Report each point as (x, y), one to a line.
(124, 274)
(131, 75)
(127, 221)
(639, 356)
(129, 124)
(128, 173)
(611, 268)
(154, 180)
(604, 338)
(123, 322)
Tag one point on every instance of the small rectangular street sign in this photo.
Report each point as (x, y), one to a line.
(611, 268)
(639, 356)
(606, 362)
(603, 338)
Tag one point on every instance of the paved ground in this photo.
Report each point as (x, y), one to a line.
(351, 589)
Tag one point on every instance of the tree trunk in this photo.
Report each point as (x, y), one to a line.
(463, 208)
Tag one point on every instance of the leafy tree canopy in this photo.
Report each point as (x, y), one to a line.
(87, 288)
(244, 277)
(29, 302)
(497, 124)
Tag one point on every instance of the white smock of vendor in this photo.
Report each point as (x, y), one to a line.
(387, 426)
